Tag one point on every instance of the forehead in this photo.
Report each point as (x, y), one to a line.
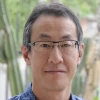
(49, 26)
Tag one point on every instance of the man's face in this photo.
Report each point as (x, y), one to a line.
(52, 69)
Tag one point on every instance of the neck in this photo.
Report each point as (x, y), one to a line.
(46, 94)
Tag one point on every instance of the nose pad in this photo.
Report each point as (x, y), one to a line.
(55, 55)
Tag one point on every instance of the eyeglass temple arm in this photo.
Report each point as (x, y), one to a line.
(31, 44)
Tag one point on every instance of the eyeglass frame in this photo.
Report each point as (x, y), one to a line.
(53, 42)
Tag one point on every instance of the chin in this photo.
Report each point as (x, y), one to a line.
(58, 85)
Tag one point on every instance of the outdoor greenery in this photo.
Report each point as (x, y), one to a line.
(9, 50)
(82, 7)
(13, 15)
(19, 11)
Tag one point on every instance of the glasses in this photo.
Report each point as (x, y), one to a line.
(49, 45)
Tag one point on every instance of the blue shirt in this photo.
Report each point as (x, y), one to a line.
(29, 95)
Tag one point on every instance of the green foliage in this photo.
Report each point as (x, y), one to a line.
(19, 11)
(8, 51)
(87, 42)
(77, 85)
(79, 79)
(12, 65)
(82, 7)
(96, 98)
(2, 52)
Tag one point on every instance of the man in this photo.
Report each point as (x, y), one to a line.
(52, 47)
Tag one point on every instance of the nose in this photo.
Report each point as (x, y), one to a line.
(55, 56)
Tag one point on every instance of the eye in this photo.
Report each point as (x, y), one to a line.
(45, 45)
(66, 45)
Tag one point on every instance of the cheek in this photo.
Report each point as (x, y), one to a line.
(38, 61)
(71, 62)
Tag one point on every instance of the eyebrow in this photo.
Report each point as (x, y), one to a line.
(44, 35)
(68, 36)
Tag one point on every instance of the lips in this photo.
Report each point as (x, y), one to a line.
(55, 71)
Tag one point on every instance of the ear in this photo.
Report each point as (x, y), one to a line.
(25, 54)
(81, 53)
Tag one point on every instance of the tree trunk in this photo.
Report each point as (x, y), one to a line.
(93, 70)
(93, 64)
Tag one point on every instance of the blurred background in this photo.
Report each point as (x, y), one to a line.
(15, 75)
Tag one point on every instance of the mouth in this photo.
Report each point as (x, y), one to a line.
(55, 72)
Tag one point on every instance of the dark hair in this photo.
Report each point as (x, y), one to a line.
(55, 9)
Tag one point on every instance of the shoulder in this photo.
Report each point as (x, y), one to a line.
(17, 97)
(26, 95)
(22, 96)
(76, 97)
